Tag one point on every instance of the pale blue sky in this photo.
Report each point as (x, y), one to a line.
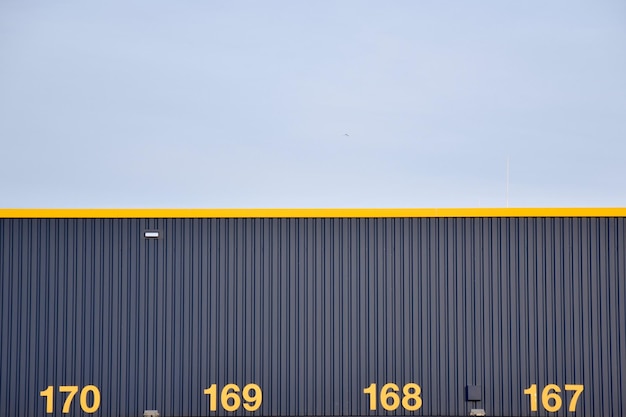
(246, 104)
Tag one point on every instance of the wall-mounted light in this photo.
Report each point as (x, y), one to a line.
(151, 234)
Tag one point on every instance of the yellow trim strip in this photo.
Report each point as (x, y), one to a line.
(312, 213)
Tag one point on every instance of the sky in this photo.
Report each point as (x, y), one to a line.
(249, 104)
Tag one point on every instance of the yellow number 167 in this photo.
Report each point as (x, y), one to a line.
(550, 398)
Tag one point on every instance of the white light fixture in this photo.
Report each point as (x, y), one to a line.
(151, 234)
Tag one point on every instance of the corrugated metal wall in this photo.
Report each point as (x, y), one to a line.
(313, 311)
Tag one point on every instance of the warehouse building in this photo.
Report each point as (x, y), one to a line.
(346, 312)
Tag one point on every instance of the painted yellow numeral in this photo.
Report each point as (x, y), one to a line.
(371, 391)
(551, 399)
(390, 400)
(550, 393)
(411, 400)
(532, 391)
(212, 393)
(49, 394)
(252, 402)
(72, 390)
(388, 392)
(578, 389)
(229, 393)
(231, 400)
(96, 399)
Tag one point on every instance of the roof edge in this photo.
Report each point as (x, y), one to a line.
(108, 213)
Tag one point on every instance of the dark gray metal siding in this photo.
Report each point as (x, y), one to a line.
(313, 311)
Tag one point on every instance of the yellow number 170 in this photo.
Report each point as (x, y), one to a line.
(72, 390)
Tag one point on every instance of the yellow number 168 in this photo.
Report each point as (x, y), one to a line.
(390, 400)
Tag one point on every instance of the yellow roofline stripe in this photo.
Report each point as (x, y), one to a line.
(111, 213)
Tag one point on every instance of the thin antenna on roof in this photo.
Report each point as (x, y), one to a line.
(507, 182)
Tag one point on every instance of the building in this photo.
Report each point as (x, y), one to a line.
(517, 312)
